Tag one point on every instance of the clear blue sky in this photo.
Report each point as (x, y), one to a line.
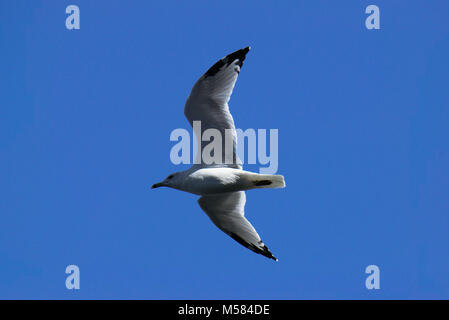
(85, 121)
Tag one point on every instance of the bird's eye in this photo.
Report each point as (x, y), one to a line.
(170, 176)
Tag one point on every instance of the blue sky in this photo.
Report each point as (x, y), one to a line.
(85, 122)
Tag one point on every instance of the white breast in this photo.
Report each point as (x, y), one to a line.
(215, 180)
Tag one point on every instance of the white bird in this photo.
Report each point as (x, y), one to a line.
(221, 185)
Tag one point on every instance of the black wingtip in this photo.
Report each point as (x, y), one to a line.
(239, 55)
(267, 253)
(264, 251)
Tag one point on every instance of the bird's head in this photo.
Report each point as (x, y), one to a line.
(172, 181)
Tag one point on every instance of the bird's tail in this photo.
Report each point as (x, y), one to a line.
(268, 181)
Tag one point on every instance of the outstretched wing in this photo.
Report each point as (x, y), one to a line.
(208, 103)
(226, 210)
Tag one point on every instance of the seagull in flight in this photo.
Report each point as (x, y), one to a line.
(221, 184)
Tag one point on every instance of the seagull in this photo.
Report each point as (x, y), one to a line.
(221, 185)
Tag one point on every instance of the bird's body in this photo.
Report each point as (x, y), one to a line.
(205, 181)
(221, 185)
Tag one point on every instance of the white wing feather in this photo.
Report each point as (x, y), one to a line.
(227, 212)
(208, 103)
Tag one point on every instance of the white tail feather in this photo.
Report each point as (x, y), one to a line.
(268, 181)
